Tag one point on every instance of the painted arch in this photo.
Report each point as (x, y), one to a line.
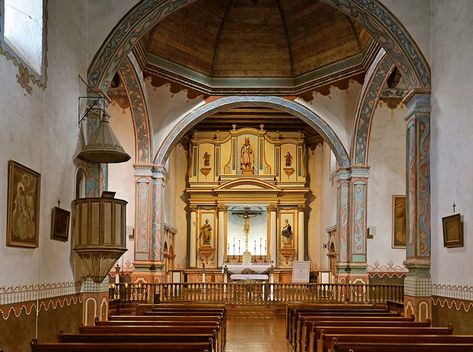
(198, 114)
(373, 15)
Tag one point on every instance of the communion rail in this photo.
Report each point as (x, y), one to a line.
(255, 293)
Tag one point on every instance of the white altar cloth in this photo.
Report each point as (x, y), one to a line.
(249, 277)
(255, 268)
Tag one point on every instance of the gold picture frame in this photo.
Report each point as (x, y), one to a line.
(399, 222)
(60, 224)
(23, 203)
(452, 231)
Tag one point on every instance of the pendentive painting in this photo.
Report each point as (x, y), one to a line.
(23, 206)
(399, 222)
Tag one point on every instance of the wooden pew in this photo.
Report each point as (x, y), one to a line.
(315, 340)
(401, 347)
(307, 323)
(126, 338)
(330, 339)
(360, 313)
(121, 347)
(141, 308)
(177, 327)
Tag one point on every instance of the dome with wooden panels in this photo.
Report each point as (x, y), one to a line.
(256, 46)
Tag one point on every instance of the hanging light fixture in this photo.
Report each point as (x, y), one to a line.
(103, 146)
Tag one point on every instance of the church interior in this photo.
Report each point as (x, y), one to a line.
(261, 166)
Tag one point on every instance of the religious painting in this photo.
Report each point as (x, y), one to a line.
(24, 186)
(452, 231)
(287, 229)
(399, 222)
(60, 224)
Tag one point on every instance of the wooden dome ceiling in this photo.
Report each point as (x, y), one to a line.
(268, 45)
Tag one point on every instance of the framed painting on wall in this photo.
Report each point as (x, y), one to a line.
(452, 231)
(24, 187)
(60, 224)
(399, 222)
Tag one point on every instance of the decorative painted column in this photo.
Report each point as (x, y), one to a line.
(418, 281)
(357, 224)
(95, 301)
(343, 207)
(143, 216)
(193, 237)
(149, 225)
(221, 236)
(300, 233)
(272, 234)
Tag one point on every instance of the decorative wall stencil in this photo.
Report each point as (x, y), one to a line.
(371, 91)
(399, 222)
(60, 224)
(390, 270)
(24, 190)
(452, 231)
(139, 112)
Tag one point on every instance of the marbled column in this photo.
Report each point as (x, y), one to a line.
(143, 215)
(221, 235)
(418, 282)
(159, 180)
(193, 238)
(273, 236)
(343, 205)
(300, 234)
(357, 224)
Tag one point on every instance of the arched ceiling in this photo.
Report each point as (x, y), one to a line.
(240, 46)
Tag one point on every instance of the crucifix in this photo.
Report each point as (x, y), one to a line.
(246, 214)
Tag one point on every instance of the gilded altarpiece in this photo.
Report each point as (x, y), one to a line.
(247, 193)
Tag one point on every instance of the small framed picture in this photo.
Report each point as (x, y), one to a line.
(452, 231)
(60, 224)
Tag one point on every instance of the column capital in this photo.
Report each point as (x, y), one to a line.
(222, 208)
(159, 172)
(273, 207)
(343, 174)
(359, 171)
(143, 170)
(193, 207)
(417, 102)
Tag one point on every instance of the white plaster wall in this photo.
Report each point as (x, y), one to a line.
(315, 233)
(175, 205)
(328, 199)
(387, 177)
(103, 16)
(452, 136)
(337, 110)
(415, 17)
(41, 132)
(121, 177)
(166, 109)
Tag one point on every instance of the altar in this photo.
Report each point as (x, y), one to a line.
(239, 272)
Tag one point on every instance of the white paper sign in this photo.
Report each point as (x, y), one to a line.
(300, 272)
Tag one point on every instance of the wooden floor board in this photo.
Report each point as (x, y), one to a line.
(256, 335)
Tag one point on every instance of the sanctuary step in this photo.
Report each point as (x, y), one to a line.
(256, 311)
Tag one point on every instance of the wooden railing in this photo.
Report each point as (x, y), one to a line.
(255, 293)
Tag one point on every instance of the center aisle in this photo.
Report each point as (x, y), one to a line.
(256, 335)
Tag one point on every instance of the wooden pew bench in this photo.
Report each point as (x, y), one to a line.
(330, 339)
(308, 323)
(316, 342)
(402, 347)
(121, 347)
(126, 338)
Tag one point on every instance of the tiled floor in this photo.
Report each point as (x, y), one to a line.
(256, 335)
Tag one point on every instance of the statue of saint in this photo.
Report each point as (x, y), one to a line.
(288, 159)
(286, 233)
(206, 159)
(246, 156)
(205, 232)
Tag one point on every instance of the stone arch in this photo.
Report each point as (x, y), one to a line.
(375, 80)
(289, 106)
(373, 15)
(139, 111)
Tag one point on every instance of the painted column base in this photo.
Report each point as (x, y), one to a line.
(420, 307)
(94, 301)
(148, 272)
(352, 273)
